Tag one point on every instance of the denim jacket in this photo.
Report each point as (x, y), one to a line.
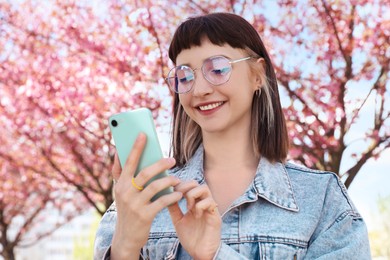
(288, 212)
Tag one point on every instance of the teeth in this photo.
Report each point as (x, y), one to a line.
(210, 106)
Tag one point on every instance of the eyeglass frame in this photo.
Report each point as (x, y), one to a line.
(201, 68)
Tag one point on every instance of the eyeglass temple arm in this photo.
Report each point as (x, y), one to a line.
(242, 59)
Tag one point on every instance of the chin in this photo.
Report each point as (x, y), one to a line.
(212, 129)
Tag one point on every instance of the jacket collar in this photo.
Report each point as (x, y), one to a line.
(271, 182)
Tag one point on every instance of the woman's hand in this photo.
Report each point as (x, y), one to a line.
(135, 211)
(199, 229)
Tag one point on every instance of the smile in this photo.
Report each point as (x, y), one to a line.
(210, 106)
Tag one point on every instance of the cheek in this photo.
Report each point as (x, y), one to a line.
(184, 101)
(181, 99)
(246, 77)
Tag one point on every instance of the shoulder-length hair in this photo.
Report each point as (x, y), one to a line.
(268, 125)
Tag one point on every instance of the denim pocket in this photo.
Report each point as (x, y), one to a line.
(280, 251)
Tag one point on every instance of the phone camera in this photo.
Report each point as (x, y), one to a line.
(114, 123)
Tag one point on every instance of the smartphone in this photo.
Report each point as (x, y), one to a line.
(125, 127)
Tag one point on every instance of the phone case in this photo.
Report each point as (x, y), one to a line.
(125, 128)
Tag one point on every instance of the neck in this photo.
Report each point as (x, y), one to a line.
(229, 151)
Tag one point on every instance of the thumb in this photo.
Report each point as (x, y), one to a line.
(116, 168)
(175, 212)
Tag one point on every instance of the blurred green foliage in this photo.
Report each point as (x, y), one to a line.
(380, 236)
(83, 243)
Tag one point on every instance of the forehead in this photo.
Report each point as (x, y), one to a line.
(195, 55)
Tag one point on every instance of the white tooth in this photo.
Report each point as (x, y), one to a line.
(210, 106)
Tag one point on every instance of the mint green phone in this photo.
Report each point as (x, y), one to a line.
(125, 128)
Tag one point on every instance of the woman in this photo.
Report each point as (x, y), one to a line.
(235, 197)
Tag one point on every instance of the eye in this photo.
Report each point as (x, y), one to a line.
(186, 79)
(221, 71)
(183, 80)
(184, 75)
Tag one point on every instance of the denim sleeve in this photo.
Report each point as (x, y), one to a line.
(104, 235)
(226, 252)
(107, 255)
(347, 238)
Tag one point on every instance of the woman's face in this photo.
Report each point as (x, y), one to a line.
(226, 107)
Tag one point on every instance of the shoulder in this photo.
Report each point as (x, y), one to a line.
(178, 172)
(324, 185)
(192, 169)
(105, 232)
(291, 166)
(300, 172)
(338, 223)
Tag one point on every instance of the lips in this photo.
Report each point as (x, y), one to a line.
(209, 106)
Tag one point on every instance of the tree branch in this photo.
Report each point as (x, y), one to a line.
(79, 187)
(204, 11)
(293, 94)
(155, 35)
(333, 24)
(353, 171)
(30, 219)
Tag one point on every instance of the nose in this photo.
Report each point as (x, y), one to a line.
(201, 86)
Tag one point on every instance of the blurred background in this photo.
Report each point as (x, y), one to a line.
(67, 65)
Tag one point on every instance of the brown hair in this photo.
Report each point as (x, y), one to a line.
(268, 125)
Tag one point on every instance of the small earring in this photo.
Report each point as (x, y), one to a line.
(258, 92)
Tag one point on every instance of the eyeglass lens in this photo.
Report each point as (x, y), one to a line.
(216, 70)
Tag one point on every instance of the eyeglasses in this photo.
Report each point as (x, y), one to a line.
(216, 70)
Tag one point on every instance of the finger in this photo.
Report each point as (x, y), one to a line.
(175, 212)
(134, 156)
(151, 171)
(207, 205)
(164, 201)
(116, 168)
(186, 186)
(158, 185)
(198, 193)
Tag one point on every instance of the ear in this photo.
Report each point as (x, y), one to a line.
(259, 74)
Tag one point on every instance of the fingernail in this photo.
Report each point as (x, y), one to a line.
(177, 181)
(172, 160)
(140, 137)
(212, 210)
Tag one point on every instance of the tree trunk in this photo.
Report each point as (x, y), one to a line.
(8, 253)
